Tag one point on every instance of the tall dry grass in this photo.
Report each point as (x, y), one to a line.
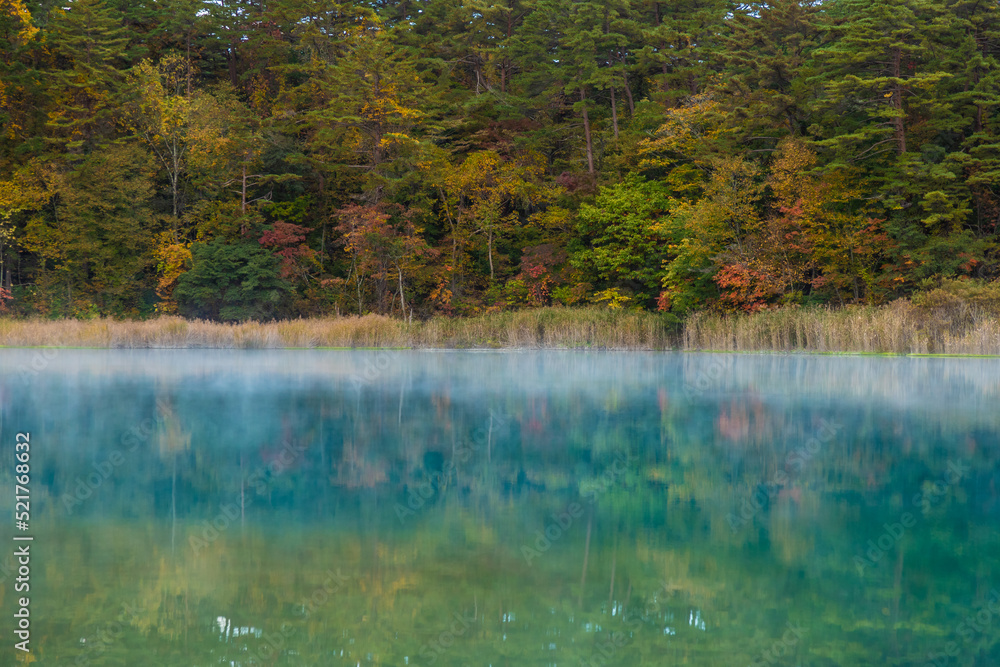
(551, 327)
(958, 318)
(546, 327)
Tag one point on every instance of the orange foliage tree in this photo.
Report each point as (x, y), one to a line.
(384, 246)
(785, 234)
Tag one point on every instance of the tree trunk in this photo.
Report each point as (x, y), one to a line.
(173, 188)
(614, 112)
(586, 131)
(402, 300)
(233, 76)
(586, 557)
(489, 247)
(628, 90)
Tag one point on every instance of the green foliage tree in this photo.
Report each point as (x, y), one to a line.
(231, 282)
(631, 230)
(89, 42)
(766, 52)
(680, 46)
(20, 85)
(93, 227)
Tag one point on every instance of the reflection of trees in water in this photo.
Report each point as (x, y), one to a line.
(692, 459)
(405, 589)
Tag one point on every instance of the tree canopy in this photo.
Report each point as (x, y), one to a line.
(415, 158)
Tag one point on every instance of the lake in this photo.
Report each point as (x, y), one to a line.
(328, 507)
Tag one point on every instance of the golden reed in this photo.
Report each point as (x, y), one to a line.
(544, 327)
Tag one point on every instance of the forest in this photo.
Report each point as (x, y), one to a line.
(236, 160)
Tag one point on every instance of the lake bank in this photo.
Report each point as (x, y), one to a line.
(901, 327)
(946, 325)
(541, 328)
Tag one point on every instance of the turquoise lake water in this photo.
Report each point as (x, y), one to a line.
(535, 508)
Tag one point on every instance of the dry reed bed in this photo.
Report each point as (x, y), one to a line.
(898, 328)
(546, 327)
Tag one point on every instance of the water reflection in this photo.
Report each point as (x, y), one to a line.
(501, 508)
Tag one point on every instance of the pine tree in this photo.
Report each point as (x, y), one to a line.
(764, 51)
(20, 80)
(974, 56)
(681, 40)
(875, 64)
(89, 45)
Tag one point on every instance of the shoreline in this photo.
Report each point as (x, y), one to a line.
(425, 348)
(901, 328)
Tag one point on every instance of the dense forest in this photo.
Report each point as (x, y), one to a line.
(235, 160)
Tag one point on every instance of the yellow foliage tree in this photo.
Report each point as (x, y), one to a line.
(173, 258)
(486, 194)
(170, 122)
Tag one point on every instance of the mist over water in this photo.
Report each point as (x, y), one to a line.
(306, 507)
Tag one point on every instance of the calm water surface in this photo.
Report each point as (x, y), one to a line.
(239, 508)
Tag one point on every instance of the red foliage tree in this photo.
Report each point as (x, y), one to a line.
(288, 242)
(384, 246)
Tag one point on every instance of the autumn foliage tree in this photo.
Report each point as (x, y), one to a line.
(385, 248)
(485, 201)
(287, 241)
(785, 234)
